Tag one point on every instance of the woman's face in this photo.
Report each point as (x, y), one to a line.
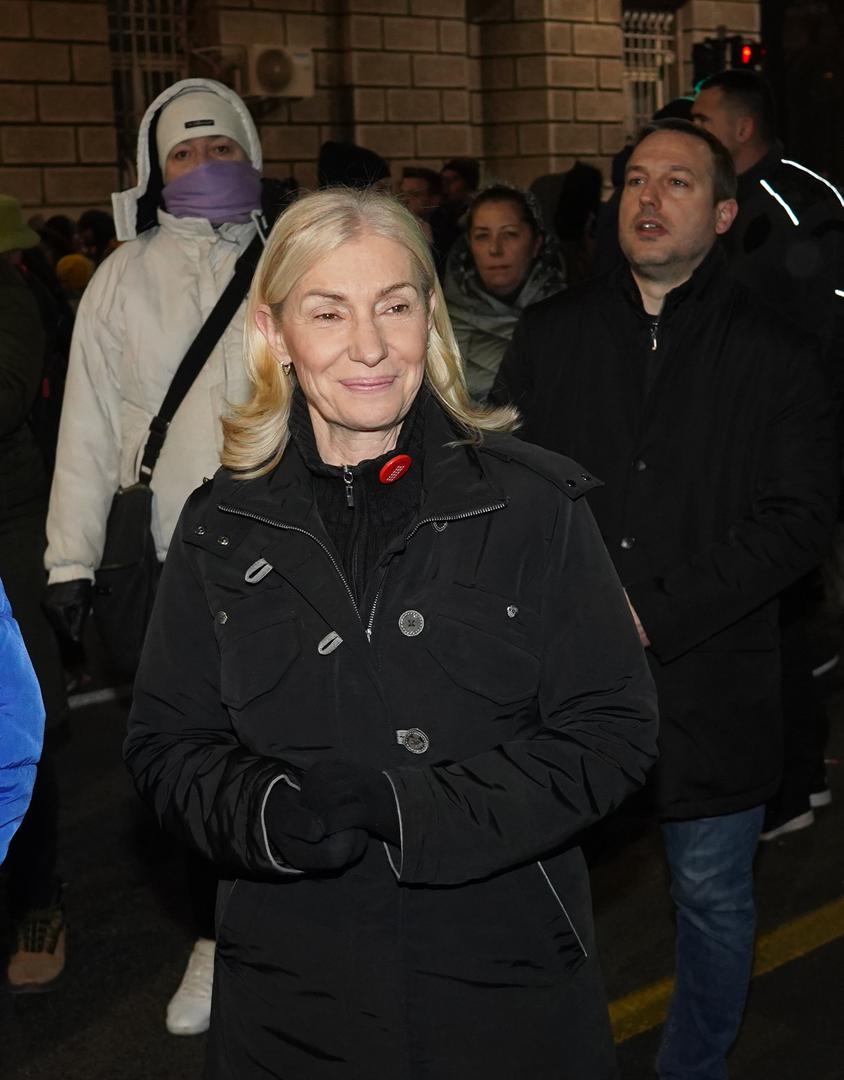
(189, 154)
(503, 246)
(355, 329)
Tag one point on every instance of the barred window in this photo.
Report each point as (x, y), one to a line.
(149, 51)
(650, 61)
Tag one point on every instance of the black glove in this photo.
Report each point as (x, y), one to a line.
(66, 605)
(347, 795)
(300, 837)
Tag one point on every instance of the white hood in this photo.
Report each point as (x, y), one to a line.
(125, 203)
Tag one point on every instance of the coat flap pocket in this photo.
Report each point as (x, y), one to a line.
(482, 643)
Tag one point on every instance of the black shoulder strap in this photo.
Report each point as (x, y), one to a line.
(201, 348)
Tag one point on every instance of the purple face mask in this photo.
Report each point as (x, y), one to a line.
(220, 191)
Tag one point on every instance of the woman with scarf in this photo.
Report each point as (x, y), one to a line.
(194, 211)
(406, 680)
(505, 261)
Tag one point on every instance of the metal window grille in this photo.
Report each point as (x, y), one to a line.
(650, 57)
(149, 51)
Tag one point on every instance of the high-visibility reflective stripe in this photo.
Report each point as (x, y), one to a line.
(840, 292)
(823, 179)
(794, 219)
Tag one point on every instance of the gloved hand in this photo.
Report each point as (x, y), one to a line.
(300, 837)
(347, 795)
(66, 604)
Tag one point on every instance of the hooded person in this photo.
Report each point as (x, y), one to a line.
(195, 210)
(505, 261)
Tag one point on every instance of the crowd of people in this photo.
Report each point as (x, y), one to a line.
(418, 656)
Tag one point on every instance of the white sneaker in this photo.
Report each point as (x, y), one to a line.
(189, 1009)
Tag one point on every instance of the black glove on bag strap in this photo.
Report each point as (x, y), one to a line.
(201, 348)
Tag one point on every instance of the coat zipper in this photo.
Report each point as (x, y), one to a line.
(349, 496)
(349, 481)
(293, 528)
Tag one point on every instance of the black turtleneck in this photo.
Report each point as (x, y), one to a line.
(361, 515)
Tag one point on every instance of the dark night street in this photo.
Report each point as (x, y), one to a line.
(128, 940)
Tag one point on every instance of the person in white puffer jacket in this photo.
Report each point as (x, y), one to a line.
(194, 211)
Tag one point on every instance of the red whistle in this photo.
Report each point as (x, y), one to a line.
(395, 468)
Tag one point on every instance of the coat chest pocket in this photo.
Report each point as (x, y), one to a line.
(484, 642)
(256, 655)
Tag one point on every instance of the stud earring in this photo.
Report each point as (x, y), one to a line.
(285, 367)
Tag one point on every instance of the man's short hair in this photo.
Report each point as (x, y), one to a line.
(419, 172)
(724, 183)
(466, 167)
(748, 92)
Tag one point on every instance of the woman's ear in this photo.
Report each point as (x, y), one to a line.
(432, 305)
(271, 333)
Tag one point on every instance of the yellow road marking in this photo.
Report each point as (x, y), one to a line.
(647, 1008)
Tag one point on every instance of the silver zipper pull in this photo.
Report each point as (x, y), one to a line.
(654, 328)
(349, 481)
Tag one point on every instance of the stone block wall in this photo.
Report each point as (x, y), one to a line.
(528, 86)
(57, 139)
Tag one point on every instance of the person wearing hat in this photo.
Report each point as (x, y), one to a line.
(194, 211)
(33, 885)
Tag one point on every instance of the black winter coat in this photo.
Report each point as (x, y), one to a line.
(787, 245)
(712, 430)
(23, 481)
(517, 711)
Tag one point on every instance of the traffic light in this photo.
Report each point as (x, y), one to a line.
(744, 54)
(716, 54)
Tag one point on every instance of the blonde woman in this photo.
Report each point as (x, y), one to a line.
(389, 679)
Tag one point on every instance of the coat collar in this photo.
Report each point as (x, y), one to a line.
(279, 514)
(698, 285)
(454, 483)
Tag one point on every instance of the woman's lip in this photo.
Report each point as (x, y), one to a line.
(367, 384)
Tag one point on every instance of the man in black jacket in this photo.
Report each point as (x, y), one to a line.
(787, 245)
(712, 428)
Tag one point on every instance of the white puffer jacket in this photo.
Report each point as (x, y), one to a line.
(136, 320)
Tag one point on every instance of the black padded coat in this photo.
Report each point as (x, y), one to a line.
(493, 673)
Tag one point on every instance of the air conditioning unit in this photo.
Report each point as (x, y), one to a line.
(278, 71)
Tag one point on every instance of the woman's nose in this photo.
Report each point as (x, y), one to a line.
(367, 345)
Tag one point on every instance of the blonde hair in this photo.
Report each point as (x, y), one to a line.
(256, 433)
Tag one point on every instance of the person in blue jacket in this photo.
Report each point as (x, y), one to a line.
(21, 726)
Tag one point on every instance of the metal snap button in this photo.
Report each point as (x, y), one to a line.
(585, 476)
(199, 530)
(223, 541)
(411, 623)
(628, 542)
(512, 611)
(413, 739)
(221, 617)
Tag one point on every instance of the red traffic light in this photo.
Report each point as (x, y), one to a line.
(747, 54)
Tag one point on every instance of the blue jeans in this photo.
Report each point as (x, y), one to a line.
(711, 863)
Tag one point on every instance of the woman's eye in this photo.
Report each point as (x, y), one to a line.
(398, 309)
(326, 316)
